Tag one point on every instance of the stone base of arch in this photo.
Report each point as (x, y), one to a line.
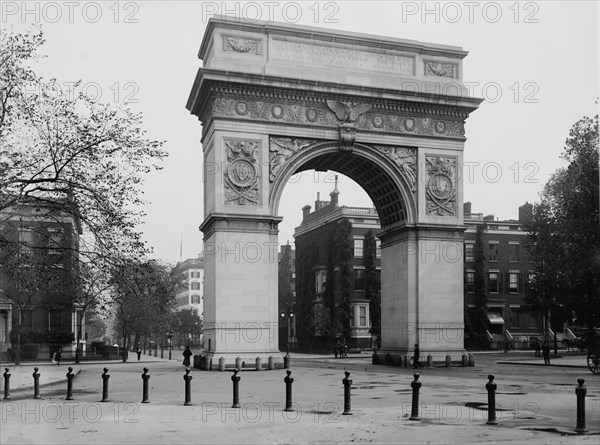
(422, 294)
(240, 271)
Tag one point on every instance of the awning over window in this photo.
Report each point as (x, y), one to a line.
(495, 318)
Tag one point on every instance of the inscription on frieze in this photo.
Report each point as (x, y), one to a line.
(242, 175)
(440, 186)
(333, 55)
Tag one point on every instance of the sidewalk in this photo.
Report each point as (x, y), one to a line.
(21, 376)
(565, 361)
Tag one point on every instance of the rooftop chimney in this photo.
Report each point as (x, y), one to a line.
(525, 212)
(467, 208)
(305, 211)
(335, 193)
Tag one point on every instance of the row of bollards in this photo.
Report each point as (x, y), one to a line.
(491, 386)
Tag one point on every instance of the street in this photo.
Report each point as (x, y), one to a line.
(535, 404)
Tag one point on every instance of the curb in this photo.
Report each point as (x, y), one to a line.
(541, 364)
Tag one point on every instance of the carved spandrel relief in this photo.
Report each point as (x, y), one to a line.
(440, 188)
(281, 149)
(241, 173)
(406, 160)
(241, 45)
(347, 113)
(439, 69)
(320, 114)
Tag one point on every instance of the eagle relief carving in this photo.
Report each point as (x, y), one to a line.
(241, 174)
(347, 113)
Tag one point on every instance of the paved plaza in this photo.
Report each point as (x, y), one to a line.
(536, 404)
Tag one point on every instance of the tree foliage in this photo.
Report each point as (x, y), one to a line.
(346, 277)
(564, 235)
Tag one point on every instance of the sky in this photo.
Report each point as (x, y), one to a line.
(535, 64)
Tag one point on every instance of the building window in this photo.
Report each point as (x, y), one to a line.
(513, 282)
(514, 317)
(54, 319)
(55, 241)
(359, 279)
(195, 312)
(195, 285)
(469, 252)
(377, 248)
(493, 282)
(359, 246)
(195, 299)
(493, 251)
(320, 280)
(470, 281)
(513, 252)
(27, 318)
(362, 314)
(533, 322)
(26, 240)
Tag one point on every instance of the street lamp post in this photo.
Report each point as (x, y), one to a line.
(170, 341)
(288, 316)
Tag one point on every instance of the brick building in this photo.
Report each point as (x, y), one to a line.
(191, 295)
(39, 247)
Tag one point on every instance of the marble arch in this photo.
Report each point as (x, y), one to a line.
(276, 99)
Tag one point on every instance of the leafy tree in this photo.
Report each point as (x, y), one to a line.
(564, 240)
(186, 323)
(372, 284)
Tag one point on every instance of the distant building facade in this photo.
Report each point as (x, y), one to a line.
(191, 295)
(39, 248)
(507, 273)
(287, 298)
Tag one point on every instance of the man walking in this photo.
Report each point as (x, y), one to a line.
(416, 356)
(546, 353)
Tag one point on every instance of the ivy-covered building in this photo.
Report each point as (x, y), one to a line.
(338, 261)
(39, 248)
(496, 267)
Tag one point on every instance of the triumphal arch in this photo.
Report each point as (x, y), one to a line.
(276, 99)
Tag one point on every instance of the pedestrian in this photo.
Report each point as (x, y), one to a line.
(187, 354)
(536, 345)
(138, 352)
(345, 350)
(335, 350)
(416, 355)
(546, 353)
(58, 356)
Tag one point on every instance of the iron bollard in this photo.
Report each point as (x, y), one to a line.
(6, 384)
(238, 363)
(491, 389)
(258, 363)
(145, 378)
(414, 411)
(288, 391)
(36, 384)
(347, 381)
(70, 376)
(581, 392)
(188, 387)
(286, 361)
(236, 388)
(448, 361)
(105, 377)
(465, 360)
(221, 363)
(271, 363)
(471, 360)
(429, 361)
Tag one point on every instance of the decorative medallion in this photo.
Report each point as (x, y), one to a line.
(312, 114)
(241, 173)
(441, 185)
(409, 124)
(378, 121)
(241, 108)
(240, 45)
(405, 159)
(277, 112)
(439, 69)
(281, 149)
(440, 127)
